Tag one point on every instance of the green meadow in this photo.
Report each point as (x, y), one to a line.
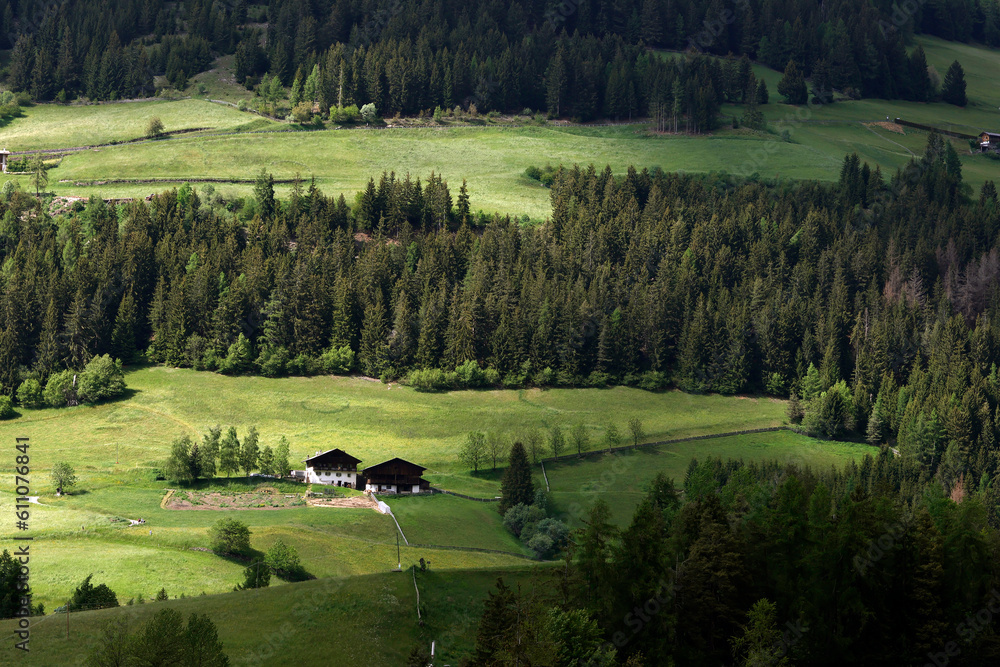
(623, 478)
(117, 449)
(491, 157)
(370, 619)
(371, 420)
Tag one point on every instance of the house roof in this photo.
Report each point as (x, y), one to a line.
(395, 466)
(992, 135)
(332, 456)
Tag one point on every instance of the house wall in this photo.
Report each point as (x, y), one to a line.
(387, 488)
(331, 477)
(391, 488)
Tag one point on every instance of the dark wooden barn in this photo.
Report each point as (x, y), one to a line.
(989, 141)
(395, 476)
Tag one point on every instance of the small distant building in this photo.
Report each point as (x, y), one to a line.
(989, 141)
(395, 476)
(4, 153)
(334, 466)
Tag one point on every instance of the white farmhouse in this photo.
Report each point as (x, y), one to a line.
(335, 467)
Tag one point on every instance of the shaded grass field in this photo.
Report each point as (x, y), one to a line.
(74, 536)
(452, 521)
(68, 126)
(622, 479)
(367, 620)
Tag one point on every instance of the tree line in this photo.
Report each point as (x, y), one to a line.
(219, 453)
(482, 448)
(580, 58)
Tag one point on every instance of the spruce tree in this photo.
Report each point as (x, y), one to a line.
(123, 336)
(953, 88)
(516, 486)
(374, 355)
(793, 84)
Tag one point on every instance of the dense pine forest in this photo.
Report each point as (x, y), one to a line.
(574, 58)
(756, 564)
(873, 303)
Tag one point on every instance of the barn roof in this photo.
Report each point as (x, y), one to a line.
(992, 135)
(332, 456)
(395, 465)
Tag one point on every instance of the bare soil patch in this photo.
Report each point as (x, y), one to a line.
(357, 502)
(261, 499)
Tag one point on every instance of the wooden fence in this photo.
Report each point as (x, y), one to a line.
(928, 128)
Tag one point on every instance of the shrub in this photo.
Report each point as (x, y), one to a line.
(337, 360)
(101, 379)
(521, 515)
(272, 361)
(302, 112)
(6, 408)
(303, 364)
(237, 358)
(470, 374)
(368, 113)
(546, 537)
(348, 114)
(230, 536)
(545, 377)
(59, 389)
(430, 379)
(155, 127)
(284, 561)
(88, 596)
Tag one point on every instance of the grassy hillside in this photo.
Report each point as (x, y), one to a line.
(369, 620)
(343, 160)
(59, 126)
(622, 479)
(371, 420)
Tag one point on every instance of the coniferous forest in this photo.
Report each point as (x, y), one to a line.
(872, 303)
(575, 58)
(760, 564)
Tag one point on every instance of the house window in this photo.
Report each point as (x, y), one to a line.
(338, 474)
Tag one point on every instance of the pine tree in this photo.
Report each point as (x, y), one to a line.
(556, 83)
(374, 356)
(953, 88)
(793, 84)
(123, 335)
(516, 486)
